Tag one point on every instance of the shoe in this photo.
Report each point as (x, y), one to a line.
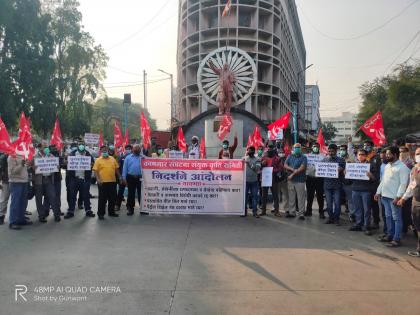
(302, 217)
(355, 228)
(264, 212)
(2, 220)
(117, 208)
(130, 213)
(101, 217)
(384, 238)
(308, 214)
(393, 244)
(322, 215)
(69, 215)
(414, 253)
(273, 211)
(144, 213)
(61, 213)
(256, 216)
(242, 215)
(278, 214)
(27, 222)
(14, 227)
(28, 213)
(114, 215)
(57, 219)
(42, 220)
(80, 207)
(329, 221)
(90, 214)
(288, 215)
(352, 218)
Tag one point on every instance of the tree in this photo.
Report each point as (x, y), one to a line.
(329, 131)
(108, 110)
(397, 96)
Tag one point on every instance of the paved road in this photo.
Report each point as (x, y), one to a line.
(203, 265)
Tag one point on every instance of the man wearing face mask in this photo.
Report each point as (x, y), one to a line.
(194, 149)
(406, 209)
(44, 185)
(252, 168)
(79, 183)
(107, 174)
(347, 183)
(405, 157)
(131, 175)
(282, 181)
(160, 153)
(227, 152)
(271, 160)
(314, 185)
(413, 191)
(333, 186)
(296, 165)
(121, 187)
(391, 189)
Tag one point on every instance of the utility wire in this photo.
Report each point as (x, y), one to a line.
(360, 35)
(135, 84)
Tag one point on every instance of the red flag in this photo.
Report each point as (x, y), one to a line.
(225, 126)
(101, 140)
(202, 149)
(126, 138)
(118, 138)
(56, 138)
(322, 147)
(286, 149)
(182, 145)
(374, 128)
(250, 142)
(226, 10)
(23, 145)
(257, 139)
(281, 123)
(6, 145)
(145, 131)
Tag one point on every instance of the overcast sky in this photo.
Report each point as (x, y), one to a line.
(140, 34)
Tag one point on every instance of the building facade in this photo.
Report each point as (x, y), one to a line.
(346, 125)
(312, 103)
(267, 30)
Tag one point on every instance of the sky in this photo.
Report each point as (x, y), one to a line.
(348, 43)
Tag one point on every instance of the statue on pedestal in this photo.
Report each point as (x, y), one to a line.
(225, 89)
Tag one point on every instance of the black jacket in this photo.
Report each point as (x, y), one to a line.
(88, 174)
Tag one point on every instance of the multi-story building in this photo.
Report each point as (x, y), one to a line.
(267, 30)
(346, 125)
(312, 103)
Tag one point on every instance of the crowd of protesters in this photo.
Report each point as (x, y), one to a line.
(391, 193)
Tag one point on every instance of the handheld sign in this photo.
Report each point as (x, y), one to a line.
(357, 171)
(46, 165)
(267, 177)
(91, 138)
(79, 163)
(313, 159)
(328, 170)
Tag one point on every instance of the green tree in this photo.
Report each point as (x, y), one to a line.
(328, 131)
(397, 96)
(108, 110)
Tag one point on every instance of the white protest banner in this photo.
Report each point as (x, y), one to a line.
(176, 154)
(329, 170)
(357, 171)
(313, 159)
(267, 177)
(172, 186)
(79, 163)
(46, 165)
(91, 138)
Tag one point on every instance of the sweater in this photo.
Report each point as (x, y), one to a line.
(17, 170)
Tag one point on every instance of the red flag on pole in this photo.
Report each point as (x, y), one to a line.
(203, 149)
(226, 10)
(225, 126)
(374, 128)
(322, 147)
(182, 144)
(250, 142)
(56, 138)
(257, 139)
(23, 145)
(145, 131)
(118, 138)
(281, 123)
(126, 138)
(6, 145)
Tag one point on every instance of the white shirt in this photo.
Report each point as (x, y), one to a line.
(194, 152)
(410, 189)
(394, 181)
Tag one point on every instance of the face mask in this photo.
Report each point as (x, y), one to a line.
(47, 151)
(297, 151)
(260, 152)
(128, 151)
(81, 148)
(73, 149)
(225, 146)
(315, 150)
(342, 153)
(417, 158)
(105, 154)
(159, 152)
(111, 148)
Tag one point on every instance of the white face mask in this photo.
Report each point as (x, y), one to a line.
(417, 158)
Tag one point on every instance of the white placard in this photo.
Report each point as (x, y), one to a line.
(79, 163)
(46, 165)
(176, 154)
(328, 170)
(267, 177)
(357, 171)
(91, 138)
(313, 159)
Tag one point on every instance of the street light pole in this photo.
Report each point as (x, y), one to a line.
(172, 93)
(296, 106)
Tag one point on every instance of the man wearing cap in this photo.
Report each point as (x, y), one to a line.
(194, 149)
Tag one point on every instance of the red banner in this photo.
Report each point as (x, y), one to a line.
(23, 145)
(145, 131)
(202, 149)
(118, 138)
(374, 128)
(182, 144)
(56, 138)
(322, 147)
(281, 123)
